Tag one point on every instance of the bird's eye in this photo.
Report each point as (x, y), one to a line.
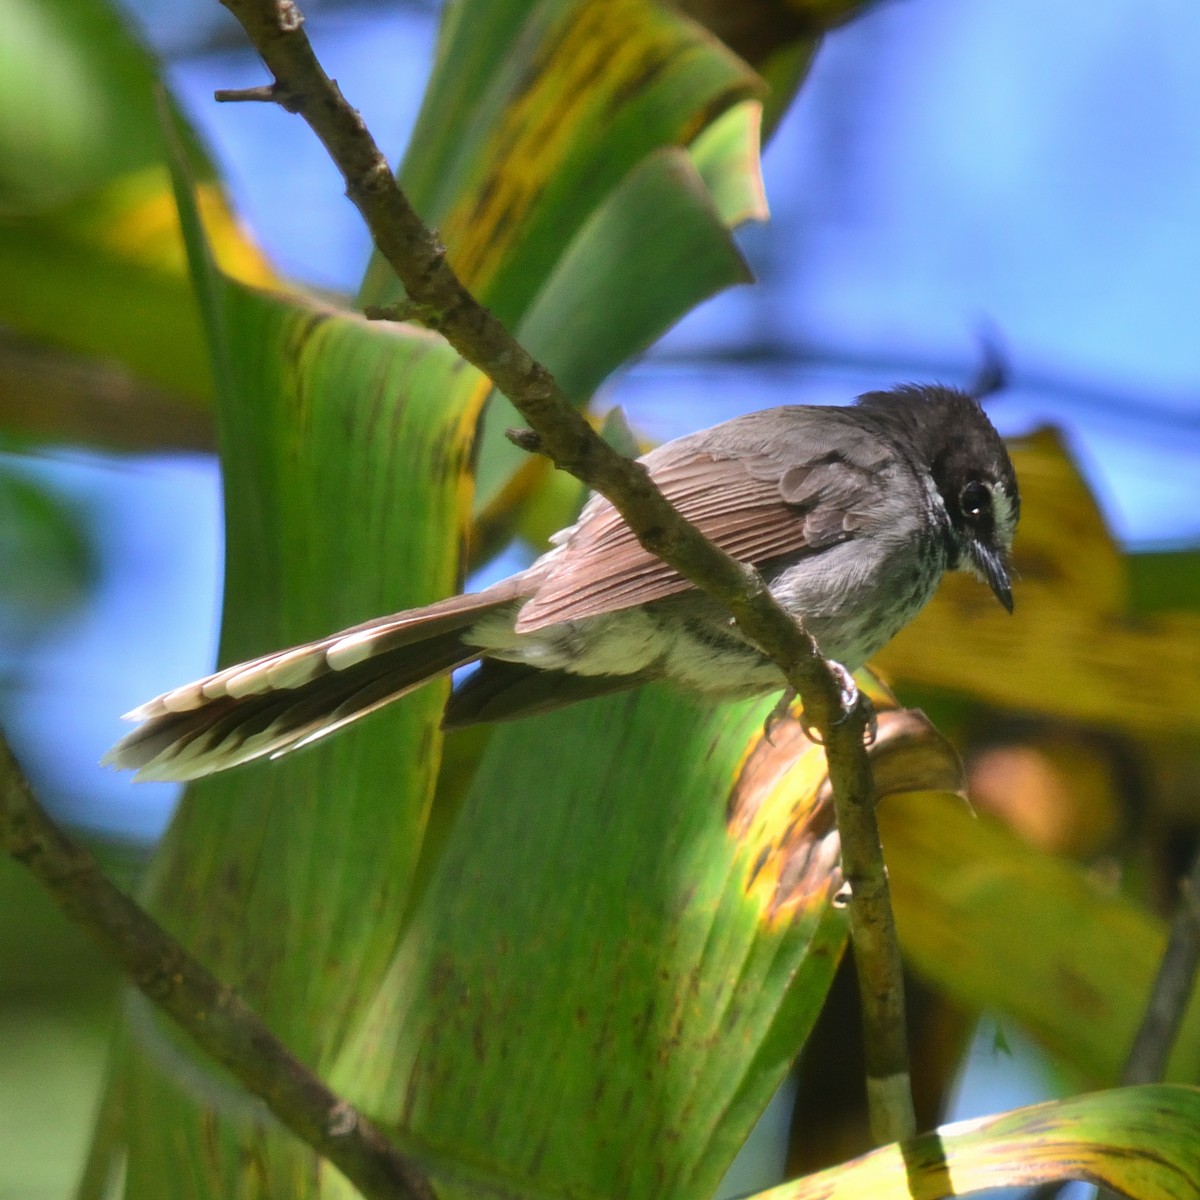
(975, 499)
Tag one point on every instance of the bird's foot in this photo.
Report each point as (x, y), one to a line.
(850, 698)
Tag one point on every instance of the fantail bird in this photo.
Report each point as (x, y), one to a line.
(852, 515)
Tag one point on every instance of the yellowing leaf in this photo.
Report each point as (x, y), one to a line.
(509, 167)
(134, 218)
(1140, 1141)
(780, 810)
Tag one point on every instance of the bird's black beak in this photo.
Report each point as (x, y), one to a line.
(993, 570)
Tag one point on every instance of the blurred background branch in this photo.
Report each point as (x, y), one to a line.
(54, 397)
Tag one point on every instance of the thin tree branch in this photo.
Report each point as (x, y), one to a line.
(1172, 989)
(275, 28)
(1169, 996)
(221, 1023)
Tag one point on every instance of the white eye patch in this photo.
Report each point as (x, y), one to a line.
(1004, 514)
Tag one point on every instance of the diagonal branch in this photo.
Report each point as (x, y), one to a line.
(216, 1016)
(300, 84)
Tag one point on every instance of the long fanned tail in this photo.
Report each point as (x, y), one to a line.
(281, 701)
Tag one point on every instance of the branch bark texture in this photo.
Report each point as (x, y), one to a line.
(221, 1023)
(438, 297)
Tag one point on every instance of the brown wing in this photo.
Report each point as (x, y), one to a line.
(755, 506)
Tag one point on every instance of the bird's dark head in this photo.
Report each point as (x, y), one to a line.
(952, 437)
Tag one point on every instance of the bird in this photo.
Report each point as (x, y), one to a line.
(851, 513)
